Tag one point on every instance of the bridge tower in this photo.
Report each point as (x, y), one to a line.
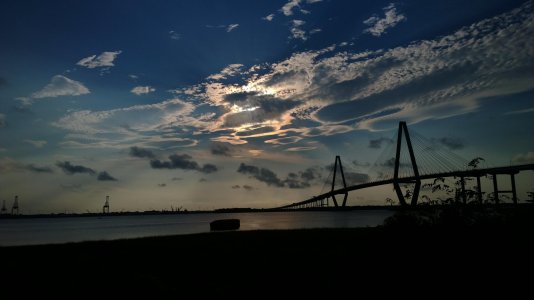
(346, 194)
(396, 180)
(105, 208)
(4, 210)
(15, 206)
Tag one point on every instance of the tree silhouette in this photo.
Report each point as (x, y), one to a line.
(475, 161)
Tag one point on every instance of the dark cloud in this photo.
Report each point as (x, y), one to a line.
(162, 184)
(70, 169)
(38, 169)
(208, 168)
(235, 187)
(377, 144)
(220, 149)
(202, 180)
(141, 152)
(248, 187)
(303, 179)
(452, 143)
(184, 162)
(261, 174)
(104, 176)
(353, 178)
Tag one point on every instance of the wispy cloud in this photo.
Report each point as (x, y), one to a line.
(391, 18)
(231, 27)
(287, 9)
(61, 86)
(140, 90)
(521, 111)
(228, 71)
(8, 164)
(173, 35)
(524, 158)
(105, 59)
(268, 17)
(36, 143)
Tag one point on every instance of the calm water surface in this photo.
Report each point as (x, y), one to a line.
(33, 231)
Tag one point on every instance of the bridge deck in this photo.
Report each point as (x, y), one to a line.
(465, 173)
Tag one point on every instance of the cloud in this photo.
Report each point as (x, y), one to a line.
(303, 179)
(248, 187)
(202, 180)
(36, 143)
(261, 174)
(3, 122)
(352, 178)
(176, 178)
(231, 27)
(296, 31)
(220, 149)
(3, 81)
(105, 59)
(140, 90)
(8, 165)
(377, 143)
(235, 187)
(174, 35)
(105, 176)
(61, 86)
(287, 9)
(184, 162)
(164, 125)
(452, 143)
(141, 152)
(299, 149)
(230, 70)
(524, 158)
(162, 184)
(39, 169)
(378, 25)
(70, 169)
(268, 18)
(522, 111)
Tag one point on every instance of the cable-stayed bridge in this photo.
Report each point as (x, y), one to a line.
(399, 166)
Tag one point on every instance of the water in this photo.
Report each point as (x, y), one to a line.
(32, 231)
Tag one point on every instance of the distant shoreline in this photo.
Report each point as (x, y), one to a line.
(255, 210)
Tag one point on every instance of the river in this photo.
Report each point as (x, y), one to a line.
(33, 231)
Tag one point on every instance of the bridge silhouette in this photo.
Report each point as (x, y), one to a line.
(446, 163)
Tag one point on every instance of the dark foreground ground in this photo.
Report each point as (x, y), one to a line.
(407, 257)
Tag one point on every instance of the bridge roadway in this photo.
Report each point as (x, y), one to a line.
(465, 173)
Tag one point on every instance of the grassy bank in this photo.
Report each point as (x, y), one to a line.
(305, 262)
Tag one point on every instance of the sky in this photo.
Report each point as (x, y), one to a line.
(213, 104)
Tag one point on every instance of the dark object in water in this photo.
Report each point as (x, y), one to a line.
(225, 224)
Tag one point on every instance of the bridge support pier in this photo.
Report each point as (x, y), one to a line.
(346, 194)
(396, 180)
(495, 189)
(464, 196)
(514, 192)
(479, 190)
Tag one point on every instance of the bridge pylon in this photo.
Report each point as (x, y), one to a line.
(105, 208)
(396, 180)
(337, 164)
